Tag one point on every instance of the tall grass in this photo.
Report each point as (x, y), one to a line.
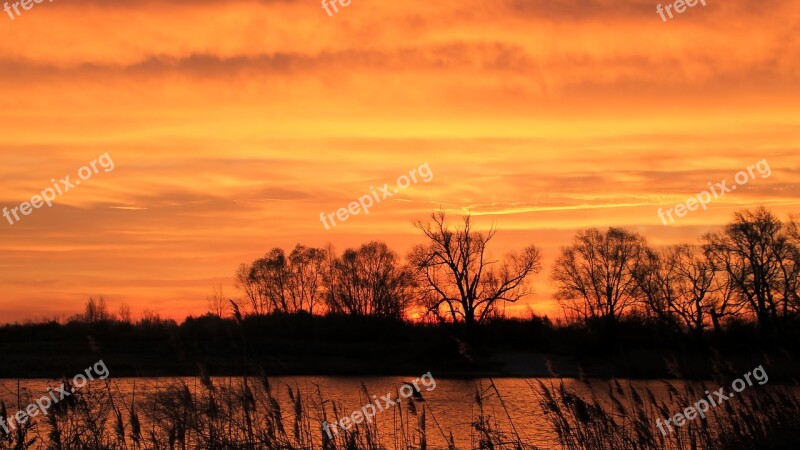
(760, 417)
(247, 413)
(221, 414)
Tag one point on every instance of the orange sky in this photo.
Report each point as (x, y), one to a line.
(233, 124)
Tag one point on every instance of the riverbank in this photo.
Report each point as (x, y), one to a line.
(352, 346)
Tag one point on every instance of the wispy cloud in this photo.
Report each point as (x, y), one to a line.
(234, 123)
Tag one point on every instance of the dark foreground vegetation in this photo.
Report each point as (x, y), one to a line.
(251, 413)
(301, 344)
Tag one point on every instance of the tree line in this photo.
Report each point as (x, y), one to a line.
(450, 278)
(747, 271)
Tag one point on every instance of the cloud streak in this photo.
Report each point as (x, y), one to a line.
(233, 123)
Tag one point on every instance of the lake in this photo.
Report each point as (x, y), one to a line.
(452, 405)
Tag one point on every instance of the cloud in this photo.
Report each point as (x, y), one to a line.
(233, 124)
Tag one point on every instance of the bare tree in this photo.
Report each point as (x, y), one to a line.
(459, 281)
(682, 288)
(96, 310)
(150, 317)
(271, 274)
(278, 283)
(595, 275)
(125, 313)
(759, 253)
(369, 281)
(790, 266)
(253, 294)
(725, 303)
(307, 267)
(218, 304)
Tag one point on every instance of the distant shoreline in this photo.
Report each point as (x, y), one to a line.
(305, 345)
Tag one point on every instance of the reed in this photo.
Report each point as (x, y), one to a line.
(763, 417)
(247, 413)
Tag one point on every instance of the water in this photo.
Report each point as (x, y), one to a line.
(451, 404)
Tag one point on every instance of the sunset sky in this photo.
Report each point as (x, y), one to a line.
(233, 124)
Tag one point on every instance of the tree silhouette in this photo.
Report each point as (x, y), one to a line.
(458, 280)
(681, 287)
(369, 281)
(96, 310)
(760, 255)
(278, 283)
(306, 268)
(218, 304)
(595, 275)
